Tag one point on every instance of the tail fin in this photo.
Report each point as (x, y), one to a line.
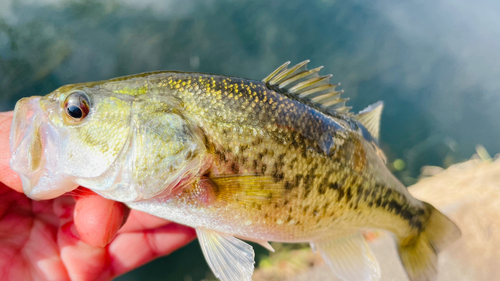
(419, 255)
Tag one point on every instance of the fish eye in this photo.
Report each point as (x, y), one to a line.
(77, 106)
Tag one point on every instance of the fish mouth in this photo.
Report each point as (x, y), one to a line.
(33, 144)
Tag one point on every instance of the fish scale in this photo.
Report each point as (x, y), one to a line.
(232, 94)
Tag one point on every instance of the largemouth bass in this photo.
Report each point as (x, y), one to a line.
(281, 159)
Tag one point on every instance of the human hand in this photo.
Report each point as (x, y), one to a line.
(74, 237)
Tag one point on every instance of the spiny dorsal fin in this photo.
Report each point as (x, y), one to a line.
(370, 118)
(307, 85)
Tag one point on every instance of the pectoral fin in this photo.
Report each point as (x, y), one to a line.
(350, 258)
(248, 189)
(229, 258)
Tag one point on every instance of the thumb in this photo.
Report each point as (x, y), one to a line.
(98, 219)
(7, 176)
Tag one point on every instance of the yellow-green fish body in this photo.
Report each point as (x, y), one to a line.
(274, 160)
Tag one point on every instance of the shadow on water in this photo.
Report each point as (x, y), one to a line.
(434, 64)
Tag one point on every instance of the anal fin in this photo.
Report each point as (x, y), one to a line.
(229, 258)
(313, 247)
(350, 258)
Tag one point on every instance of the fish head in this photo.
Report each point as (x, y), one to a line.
(123, 146)
(75, 132)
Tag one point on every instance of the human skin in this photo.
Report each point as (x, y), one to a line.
(81, 236)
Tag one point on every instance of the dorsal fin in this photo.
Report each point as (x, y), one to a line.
(370, 118)
(306, 85)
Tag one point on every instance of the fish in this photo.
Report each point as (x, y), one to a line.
(282, 159)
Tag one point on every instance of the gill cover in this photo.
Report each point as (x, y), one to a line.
(163, 148)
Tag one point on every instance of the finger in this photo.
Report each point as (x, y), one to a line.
(98, 219)
(41, 252)
(9, 177)
(131, 250)
(28, 248)
(83, 261)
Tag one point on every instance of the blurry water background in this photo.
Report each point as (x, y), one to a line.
(436, 64)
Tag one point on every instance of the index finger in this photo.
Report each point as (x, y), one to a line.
(7, 176)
